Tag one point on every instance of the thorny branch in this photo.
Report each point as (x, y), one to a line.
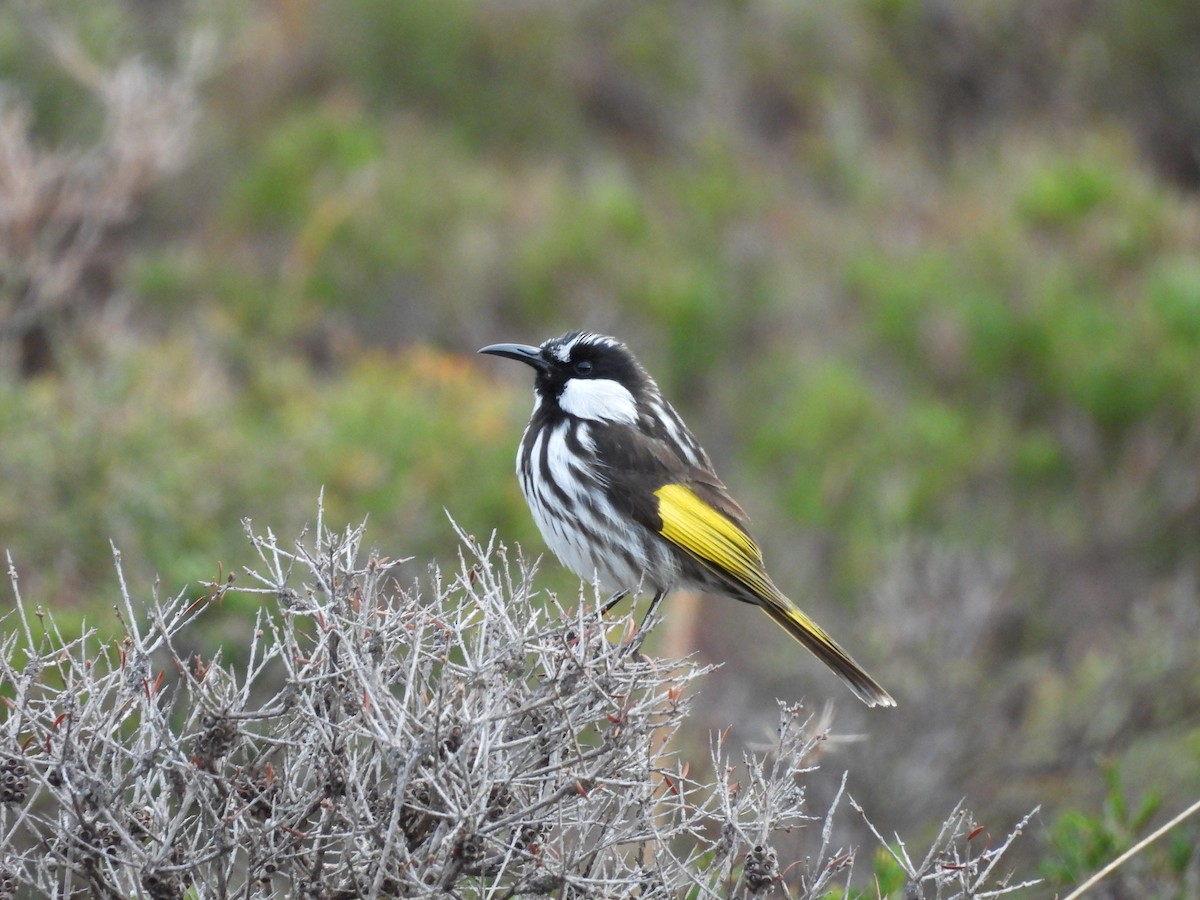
(461, 737)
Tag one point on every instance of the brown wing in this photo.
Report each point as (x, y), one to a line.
(635, 466)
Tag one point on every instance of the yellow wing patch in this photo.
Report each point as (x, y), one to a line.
(714, 540)
(710, 536)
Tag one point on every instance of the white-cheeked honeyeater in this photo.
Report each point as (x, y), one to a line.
(625, 496)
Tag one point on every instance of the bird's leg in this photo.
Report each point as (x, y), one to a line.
(608, 604)
(613, 601)
(639, 636)
(658, 598)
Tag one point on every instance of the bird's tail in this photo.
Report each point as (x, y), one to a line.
(789, 617)
(701, 519)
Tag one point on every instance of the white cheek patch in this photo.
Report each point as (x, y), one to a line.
(598, 399)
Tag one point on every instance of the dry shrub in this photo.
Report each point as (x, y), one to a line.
(464, 737)
(65, 213)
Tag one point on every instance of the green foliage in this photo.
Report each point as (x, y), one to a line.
(1027, 333)
(1065, 194)
(370, 222)
(890, 878)
(161, 453)
(492, 74)
(1083, 842)
(580, 235)
(845, 455)
(1173, 290)
(306, 155)
(834, 407)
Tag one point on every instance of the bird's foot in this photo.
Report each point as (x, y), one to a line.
(612, 601)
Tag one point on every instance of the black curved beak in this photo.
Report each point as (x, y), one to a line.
(523, 352)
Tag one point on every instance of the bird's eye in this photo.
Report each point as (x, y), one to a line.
(583, 367)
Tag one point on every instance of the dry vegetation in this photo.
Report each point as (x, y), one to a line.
(459, 738)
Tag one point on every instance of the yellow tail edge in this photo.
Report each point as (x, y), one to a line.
(807, 632)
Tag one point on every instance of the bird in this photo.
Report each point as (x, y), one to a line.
(626, 498)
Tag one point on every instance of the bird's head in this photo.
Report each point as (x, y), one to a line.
(586, 375)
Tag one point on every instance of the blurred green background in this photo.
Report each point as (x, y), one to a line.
(923, 277)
